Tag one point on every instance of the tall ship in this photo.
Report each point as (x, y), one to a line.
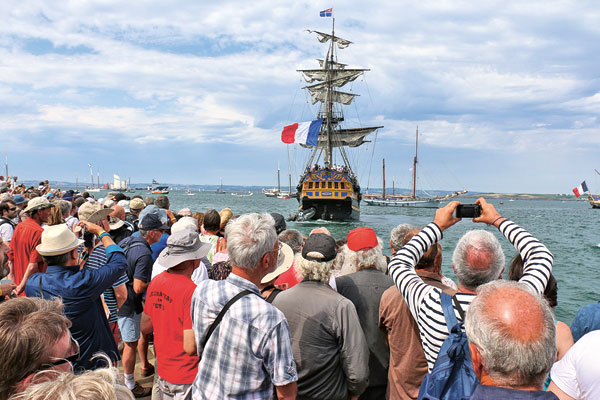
(409, 200)
(329, 190)
(594, 199)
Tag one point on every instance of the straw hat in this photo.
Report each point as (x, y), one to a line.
(285, 259)
(38, 203)
(92, 212)
(56, 240)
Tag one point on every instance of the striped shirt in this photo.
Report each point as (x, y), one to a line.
(249, 351)
(424, 300)
(97, 260)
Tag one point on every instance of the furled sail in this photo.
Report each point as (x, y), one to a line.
(352, 137)
(338, 97)
(312, 75)
(323, 37)
(334, 64)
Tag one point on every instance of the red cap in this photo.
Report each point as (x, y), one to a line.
(362, 238)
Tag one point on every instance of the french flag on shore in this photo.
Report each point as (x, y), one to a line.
(302, 132)
(581, 189)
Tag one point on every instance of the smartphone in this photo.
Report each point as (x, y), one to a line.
(468, 211)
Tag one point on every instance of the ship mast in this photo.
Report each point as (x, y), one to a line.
(414, 188)
(329, 102)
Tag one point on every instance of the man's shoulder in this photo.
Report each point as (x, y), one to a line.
(484, 392)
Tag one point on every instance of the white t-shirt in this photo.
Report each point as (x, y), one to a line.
(198, 275)
(6, 232)
(578, 372)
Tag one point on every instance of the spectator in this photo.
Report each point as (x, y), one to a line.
(477, 259)
(364, 289)
(408, 365)
(512, 341)
(80, 289)
(167, 314)
(252, 333)
(329, 346)
(24, 350)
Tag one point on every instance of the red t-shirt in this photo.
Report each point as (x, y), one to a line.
(168, 304)
(27, 236)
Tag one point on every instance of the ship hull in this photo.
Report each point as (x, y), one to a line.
(331, 210)
(424, 203)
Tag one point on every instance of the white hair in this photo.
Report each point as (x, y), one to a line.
(314, 270)
(482, 244)
(398, 234)
(348, 261)
(249, 238)
(99, 384)
(506, 359)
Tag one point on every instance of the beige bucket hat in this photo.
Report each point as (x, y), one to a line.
(56, 240)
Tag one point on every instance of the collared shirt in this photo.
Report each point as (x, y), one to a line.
(80, 291)
(424, 300)
(484, 392)
(329, 346)
(250, 350)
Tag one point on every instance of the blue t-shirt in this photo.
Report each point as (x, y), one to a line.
(159, 246)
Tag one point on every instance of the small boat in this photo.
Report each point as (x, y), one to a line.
(156, 188)
(411, 200)
(242, 195)
(92, 189)
(220, 189)
(594, 199)
(188, 192)
(119, 185)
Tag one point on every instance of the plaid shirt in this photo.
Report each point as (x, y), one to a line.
(250, 350)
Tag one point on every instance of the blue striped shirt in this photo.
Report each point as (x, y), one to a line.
(424, 300)
(250, 350)
(96, 260)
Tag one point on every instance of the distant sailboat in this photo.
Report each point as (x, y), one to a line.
(220, 189)
(91, 188)
(411, 200)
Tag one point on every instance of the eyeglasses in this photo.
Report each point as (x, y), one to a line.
(70, 359)
(12, 208)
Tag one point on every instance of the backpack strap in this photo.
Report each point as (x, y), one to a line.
(222, 313)
(448, 309)
(461, 312)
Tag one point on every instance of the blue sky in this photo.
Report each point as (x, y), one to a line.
(506, 94)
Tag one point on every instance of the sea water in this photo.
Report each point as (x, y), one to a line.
(568, 228)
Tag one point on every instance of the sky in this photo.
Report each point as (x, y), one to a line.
(505, 94)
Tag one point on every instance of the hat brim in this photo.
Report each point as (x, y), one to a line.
(38, 207)
(45, 251)
(285, 259)
(116, 225)
(99, 215)
(168, 260)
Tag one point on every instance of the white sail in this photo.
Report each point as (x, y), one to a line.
(334, 64)
(338, 97)
(312, 75)
(324, 37)
(352, 137)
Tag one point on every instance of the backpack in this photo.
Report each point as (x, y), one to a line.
(452, 376)
(133, 298)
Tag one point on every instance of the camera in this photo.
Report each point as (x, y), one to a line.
(468, 211)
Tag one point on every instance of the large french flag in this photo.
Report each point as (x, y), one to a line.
(581, 189)
(302, 132)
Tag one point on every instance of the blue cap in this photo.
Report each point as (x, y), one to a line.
(18, 199)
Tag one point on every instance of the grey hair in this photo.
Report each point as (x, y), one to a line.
(99, 384)
(351, 261)
(398, 234)
(293, 238)
(506, 359)
(65, 207)
(249, 238)
(314, 270)
(477, 242)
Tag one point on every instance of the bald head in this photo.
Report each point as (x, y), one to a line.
(118, 212)
(513, 330)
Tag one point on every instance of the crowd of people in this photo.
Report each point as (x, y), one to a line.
(243, 307)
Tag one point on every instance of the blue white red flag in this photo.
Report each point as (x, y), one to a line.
(326, 13)
(581, 189)
(303, 132)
